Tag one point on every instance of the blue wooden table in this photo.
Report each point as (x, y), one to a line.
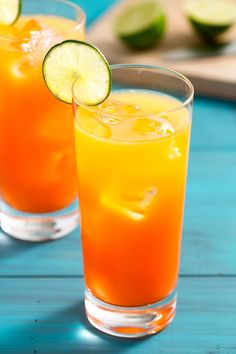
(41, 285)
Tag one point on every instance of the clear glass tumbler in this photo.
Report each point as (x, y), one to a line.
(38, 175)
(132, 157)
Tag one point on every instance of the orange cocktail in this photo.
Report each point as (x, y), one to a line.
(132, 187)
(132, 154)
(36, 133)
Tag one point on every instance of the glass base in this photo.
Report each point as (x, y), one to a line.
(130, 322)
(39, 227)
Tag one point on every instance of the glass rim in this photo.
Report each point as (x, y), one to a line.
(79, 11)
(186, 102)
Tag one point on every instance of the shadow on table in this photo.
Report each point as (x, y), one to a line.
(10, 246)
(66, 331)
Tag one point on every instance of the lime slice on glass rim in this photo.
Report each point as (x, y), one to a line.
(78, 65)
(141, 25)
(9, 11)
(210, 17)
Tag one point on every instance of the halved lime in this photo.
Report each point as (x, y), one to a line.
(141, 25)
(9, 11)
(210, 17)
(78, 65)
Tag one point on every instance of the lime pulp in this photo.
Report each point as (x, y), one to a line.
(9, 11)
(79, 67)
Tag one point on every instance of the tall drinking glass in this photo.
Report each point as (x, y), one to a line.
(132, 156)
(37, 175)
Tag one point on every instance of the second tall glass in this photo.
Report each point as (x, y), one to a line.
(37, 175)
(132, 156)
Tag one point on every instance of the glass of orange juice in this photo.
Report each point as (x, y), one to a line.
(132, 157)
(37, 176)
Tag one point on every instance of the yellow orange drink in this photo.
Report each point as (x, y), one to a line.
(132, 154)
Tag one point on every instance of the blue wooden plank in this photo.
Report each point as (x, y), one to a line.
(94, 9)
(46, 316)
(61, 257)
(210, 225)
(209, 245)
(214, 125)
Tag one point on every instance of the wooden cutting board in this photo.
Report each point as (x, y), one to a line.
(212, 76)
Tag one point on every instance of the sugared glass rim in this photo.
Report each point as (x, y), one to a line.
(79, 12)
(188, 83)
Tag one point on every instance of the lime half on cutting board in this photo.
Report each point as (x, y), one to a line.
(78, 65)
(210, 17)
(9, 11)
(141, 25)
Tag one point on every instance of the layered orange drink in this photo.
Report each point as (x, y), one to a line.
(132, 154)
(36, 134)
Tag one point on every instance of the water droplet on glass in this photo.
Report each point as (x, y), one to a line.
(174, 152)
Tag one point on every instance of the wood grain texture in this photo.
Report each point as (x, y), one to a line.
(62, 257)
(214, 76)
(46, 316)
(214, 125)
(209, 242)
